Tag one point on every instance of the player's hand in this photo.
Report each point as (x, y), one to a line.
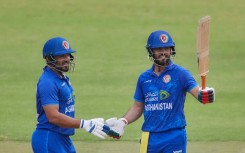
(117, 125)
(206, 95)
(96, 127)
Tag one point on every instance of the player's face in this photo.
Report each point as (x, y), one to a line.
(162, 55)
(62, 62)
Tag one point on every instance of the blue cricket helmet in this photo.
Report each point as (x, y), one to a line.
(159, 39)
(57, 46)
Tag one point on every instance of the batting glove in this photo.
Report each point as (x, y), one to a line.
(117, 125)
(206, 95)
(96, 127)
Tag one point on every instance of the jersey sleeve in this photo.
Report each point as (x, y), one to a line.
(189, 81)
(48, 92)
(138, 95)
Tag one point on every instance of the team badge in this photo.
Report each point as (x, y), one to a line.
(164, 38)
(166, 78)
(65, 44)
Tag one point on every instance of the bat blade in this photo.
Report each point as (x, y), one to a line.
(203, 48)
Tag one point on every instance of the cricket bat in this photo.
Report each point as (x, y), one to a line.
(203, 48)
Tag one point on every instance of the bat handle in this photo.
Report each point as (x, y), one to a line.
(203, 81)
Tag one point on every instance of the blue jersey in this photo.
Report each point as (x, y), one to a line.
(53, 89)
(164, 97)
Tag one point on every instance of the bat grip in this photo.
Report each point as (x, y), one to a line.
(203, 81)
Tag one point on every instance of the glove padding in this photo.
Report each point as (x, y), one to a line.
(117, 125)
(96, 127)
(206, 95)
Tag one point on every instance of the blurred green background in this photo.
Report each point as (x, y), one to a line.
(109, 37)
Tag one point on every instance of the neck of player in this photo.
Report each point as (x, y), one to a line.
(158, 69)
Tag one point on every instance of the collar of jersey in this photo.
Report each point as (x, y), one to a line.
(49, 70)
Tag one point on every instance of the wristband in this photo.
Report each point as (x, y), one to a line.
(124, 120)
(81, 123)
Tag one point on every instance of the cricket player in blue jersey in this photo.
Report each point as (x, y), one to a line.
(55, 103)
(160, 95)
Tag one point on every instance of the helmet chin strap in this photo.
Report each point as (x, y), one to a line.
(51, 62)
(150, 56)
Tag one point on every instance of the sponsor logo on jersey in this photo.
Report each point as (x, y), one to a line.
(159, 106)
(156, 104)
(69, 99)
(151, 96)
(166, 78)
(155, 95)
(69, 109)
(148, 81)
(163, 94)
(63, 84)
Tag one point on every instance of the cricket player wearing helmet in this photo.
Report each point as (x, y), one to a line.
(55, 104)
(160, 95)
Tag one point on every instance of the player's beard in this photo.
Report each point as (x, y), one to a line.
(162, 60)
(64, 67)
(60, 66)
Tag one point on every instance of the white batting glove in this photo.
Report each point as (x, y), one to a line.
(117, 125)
(96, 127)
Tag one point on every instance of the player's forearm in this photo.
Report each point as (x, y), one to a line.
(134, 113)
(131, 117)
(195, 91)
(64, 121)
